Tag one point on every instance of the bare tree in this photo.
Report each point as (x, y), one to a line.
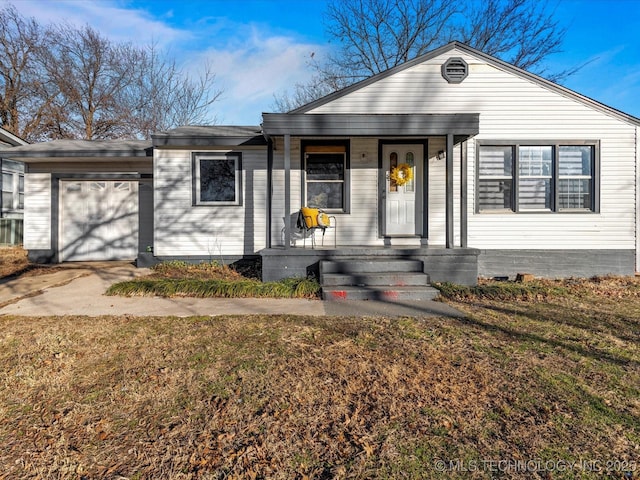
(521, 32)
(70, 82)
(168, 96)
(23, 94)
(110, 90)
(376, 35)
(92, 75)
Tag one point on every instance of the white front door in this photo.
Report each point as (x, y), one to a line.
(402, 203)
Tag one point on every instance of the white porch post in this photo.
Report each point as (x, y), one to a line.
(287, 191)
(449, 192)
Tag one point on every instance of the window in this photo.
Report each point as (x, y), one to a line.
(575, 177)
(12, 185)
(534, 177)
(326, 176)
(495, 178)
(537, 177)
(217, 178)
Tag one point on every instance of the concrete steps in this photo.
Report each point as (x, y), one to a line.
(380, 279)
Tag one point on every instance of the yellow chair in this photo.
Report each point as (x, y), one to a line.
(312, 219)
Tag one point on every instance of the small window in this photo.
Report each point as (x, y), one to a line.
(217, 179)
(326, 177)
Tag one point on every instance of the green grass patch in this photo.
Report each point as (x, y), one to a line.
(193, 287)
(212, 280)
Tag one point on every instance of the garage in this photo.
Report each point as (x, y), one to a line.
(98, 220)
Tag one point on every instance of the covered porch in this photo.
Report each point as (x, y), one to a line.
(376, 218)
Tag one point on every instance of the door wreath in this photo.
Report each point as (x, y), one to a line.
(402, 174)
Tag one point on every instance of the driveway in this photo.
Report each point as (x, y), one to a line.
(78, 289)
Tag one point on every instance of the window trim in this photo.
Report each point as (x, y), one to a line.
(555, 179)
(346, 188)
(195, 177)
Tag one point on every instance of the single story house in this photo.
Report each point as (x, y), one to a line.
(504, 172)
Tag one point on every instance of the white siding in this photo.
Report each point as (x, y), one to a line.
(360, 227)
(183, 229)
(37, 211)
(436, 192)
(513, 108)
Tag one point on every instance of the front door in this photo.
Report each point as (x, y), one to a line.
(402, 196)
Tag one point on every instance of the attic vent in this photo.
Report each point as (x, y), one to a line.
(455, 70)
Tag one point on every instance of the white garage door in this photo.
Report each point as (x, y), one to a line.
(98, 220)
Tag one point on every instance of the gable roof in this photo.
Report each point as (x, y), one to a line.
(481, 56)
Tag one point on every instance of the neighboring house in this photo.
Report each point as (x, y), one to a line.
(511, 173)
(12, 186)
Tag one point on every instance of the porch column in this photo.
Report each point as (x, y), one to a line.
(463, 194)
(449, 191)
(287, 191)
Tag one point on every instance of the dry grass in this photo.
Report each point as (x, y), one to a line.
(195, 271)
(13, 260)
(14, 263)
(296, 397)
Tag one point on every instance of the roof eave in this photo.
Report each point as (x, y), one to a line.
(164, 140)
(381, 125)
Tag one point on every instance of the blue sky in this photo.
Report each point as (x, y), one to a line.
(261, 47)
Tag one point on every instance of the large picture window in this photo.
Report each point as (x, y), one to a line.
(217, 178)
(537, 177)
(326, 176)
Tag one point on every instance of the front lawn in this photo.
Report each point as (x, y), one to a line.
(13, 260)
(538, 385)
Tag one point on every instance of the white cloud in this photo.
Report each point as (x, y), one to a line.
(251, 72)
(117, 23)
(251, 62)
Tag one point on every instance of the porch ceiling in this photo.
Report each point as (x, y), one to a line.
(459, 124)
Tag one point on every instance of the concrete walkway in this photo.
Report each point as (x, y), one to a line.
(78, 289)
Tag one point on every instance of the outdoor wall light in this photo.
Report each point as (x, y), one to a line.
(440, 154)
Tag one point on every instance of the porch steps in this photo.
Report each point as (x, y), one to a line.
(381, 279)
